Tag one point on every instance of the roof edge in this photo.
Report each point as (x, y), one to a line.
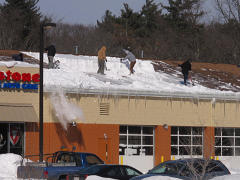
(122, 92)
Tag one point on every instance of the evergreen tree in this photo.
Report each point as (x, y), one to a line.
(182, 13)
(150, 15)
(24, 17)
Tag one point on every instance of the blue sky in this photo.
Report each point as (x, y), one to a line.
(85, 11)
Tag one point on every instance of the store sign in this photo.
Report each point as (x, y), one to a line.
(14, 135)
(16, 80)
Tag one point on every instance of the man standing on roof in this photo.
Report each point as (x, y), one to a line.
(51, 51)
(186, 67)
(131, 58)
(101, 60)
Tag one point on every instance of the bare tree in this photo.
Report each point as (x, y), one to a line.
(229, 9)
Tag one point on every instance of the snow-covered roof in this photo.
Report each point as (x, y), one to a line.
(78, 74)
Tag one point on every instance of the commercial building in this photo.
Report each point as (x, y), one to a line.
(136, 128)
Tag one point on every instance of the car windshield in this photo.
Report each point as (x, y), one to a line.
(167, 168)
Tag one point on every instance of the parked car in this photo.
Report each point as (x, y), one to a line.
(63, 163)
(122, 172)
(188, 169)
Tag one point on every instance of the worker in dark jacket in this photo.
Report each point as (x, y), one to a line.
(18, 57)
(186, 67)
(51, 51)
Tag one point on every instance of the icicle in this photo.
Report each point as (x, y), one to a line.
(145, 101)
(224, 108)
(213, 102)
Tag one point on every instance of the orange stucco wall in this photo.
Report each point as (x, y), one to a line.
(209, 142)
(162, 144)
(85, 137)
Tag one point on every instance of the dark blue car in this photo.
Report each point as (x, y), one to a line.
(188, 169)
(113, 171)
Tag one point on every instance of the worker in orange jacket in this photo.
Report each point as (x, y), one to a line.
(101, 60)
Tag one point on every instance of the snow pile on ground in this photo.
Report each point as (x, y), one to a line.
(228, 177)
(9, 163)
(8, 166)
(78, 73)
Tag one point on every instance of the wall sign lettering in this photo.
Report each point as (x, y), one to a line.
(16, 80)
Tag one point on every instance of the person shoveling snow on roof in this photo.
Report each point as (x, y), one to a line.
(186, 67)
(130, 58)
(101, 60)
(51, 51)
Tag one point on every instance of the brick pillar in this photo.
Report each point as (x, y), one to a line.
(209, 141)
(162, 144)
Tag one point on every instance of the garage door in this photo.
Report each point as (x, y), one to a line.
(136, 146)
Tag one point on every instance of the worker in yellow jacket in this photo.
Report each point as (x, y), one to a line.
(101, 60)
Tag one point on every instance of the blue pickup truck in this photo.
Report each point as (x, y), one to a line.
(63, 163)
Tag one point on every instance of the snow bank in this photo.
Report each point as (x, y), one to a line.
(8, 166)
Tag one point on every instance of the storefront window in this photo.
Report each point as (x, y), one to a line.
(227, 141)
(12, 138)
(136, 140)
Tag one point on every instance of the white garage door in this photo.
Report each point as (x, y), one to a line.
(136, 147)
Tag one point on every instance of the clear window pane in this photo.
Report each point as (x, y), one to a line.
(217, 131)
(237, 151)
(147, 140)
(237, 132)
(197, 140)
(134, 140)
(148, 150)
(185, 130)
(174, 130)
(123, 129)
(184, 150)
(174, 150)
(217, 141)
(147, 130)
(123, 139)
(174, 140)
(197, 131)
(227, 132)
(197, 150)
(237, 141)
(227, 141)
(184, 140)
(218, 151)
(134, 129)
(227, 151)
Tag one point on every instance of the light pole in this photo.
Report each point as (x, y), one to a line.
(43, 26)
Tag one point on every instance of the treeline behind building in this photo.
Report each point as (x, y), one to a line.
(157, 31)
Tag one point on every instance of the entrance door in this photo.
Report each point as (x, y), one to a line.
(12, 138)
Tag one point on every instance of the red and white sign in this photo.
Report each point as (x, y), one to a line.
(14, 135)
